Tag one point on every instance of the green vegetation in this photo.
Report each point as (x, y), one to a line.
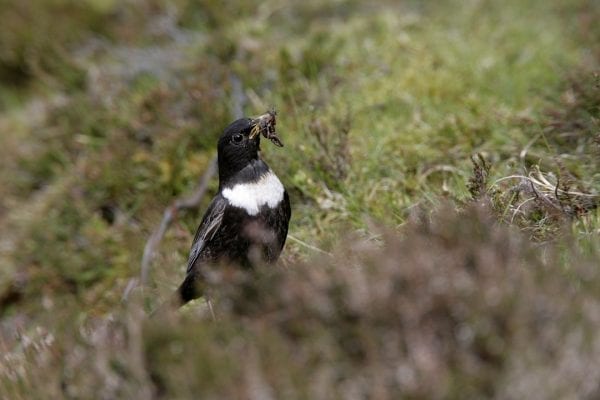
(441, 273)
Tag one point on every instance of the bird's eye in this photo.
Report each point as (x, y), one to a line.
(238, 138)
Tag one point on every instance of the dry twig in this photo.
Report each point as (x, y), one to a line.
(170, 214)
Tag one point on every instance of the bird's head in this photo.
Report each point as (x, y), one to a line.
(238, 147)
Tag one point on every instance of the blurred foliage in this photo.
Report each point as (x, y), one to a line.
(456, 308)
(110, 110)
(35, 38)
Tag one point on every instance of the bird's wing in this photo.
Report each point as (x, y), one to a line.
(208, 227)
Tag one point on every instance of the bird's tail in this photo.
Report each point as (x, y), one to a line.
(188, 290)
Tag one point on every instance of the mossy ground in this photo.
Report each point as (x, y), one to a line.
(110, 110)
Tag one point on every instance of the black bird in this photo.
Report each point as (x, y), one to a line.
(247, 221)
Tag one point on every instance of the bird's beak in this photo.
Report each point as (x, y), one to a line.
(255, 131)
(261, 123)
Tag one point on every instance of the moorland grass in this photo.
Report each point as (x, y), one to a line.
(381, 108)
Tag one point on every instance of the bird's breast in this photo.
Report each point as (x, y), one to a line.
(251, 196)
